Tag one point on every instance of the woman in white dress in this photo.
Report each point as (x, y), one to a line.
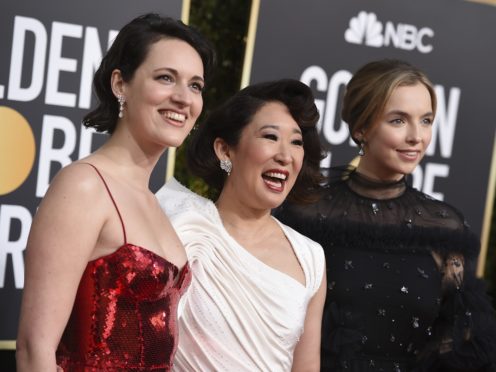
(258, 289)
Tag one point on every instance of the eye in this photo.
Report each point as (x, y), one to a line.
(397, 121)
(427, 121)
(270, 136)
(165, 77)
(297, 142)
(197, 87)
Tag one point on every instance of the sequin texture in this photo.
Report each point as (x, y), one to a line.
(125, 314)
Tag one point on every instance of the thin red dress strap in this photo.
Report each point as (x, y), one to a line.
(113, 201)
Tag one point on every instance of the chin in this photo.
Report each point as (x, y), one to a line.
(277, 203)
(174, 142)
(409, 170)
(268, 204)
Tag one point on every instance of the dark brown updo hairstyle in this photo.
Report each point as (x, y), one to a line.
(128, 52)
(368, 91)
(228, 121)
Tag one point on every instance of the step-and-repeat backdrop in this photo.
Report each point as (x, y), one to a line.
(50, 50)
(323, 42)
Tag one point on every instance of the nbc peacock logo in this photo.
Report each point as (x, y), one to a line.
(366, 29)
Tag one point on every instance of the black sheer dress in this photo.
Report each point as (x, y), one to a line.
(402, 293)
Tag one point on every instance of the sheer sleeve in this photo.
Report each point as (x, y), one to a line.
(464, 334)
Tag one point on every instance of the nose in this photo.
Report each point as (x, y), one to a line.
(283, 155)
(413, 134)
(182, 94)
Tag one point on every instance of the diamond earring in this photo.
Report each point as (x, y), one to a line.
(226, 166)
(121, 100)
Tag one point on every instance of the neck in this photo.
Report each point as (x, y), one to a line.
(131, 160)
(375, 174)
(375, 188)
(241, 220)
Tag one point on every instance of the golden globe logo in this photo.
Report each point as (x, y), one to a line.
(17, 149)
(367, 30)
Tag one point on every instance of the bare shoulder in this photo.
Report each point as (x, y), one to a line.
(76, 187)
(77, 178)
(75, 204)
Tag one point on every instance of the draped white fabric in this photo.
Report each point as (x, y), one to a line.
(239, 314)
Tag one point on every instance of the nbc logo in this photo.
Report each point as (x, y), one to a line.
(367, 30)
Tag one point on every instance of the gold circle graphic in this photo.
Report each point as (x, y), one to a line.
(17, 149)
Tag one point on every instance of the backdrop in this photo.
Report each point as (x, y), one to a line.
(49, 54)
(323, 42)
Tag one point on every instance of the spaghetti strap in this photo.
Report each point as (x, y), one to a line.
(113, 201)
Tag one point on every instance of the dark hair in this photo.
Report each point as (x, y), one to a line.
(371, 86)
(128, 52)
(228, 121)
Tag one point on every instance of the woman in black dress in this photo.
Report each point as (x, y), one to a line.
(402, 292)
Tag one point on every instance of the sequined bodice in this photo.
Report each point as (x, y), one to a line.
(124, 316)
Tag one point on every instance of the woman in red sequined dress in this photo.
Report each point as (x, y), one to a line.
(104, 267)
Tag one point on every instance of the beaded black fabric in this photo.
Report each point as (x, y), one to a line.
(402, 293)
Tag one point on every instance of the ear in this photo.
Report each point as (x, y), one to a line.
(117, 82)
(359, 135)
(221, 149)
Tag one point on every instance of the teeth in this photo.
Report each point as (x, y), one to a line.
(280, 176)
(174, 116)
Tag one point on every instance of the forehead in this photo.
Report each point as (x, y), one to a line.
(174, 54)
(409, 96)
(274, 114)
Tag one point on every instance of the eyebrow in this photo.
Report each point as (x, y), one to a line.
(274, 126)
(402, 113)
(175, 72)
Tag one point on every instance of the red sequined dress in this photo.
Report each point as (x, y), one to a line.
(125, 312)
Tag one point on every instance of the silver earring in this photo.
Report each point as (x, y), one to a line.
(121, 100)
(226, 166)
(361, 152)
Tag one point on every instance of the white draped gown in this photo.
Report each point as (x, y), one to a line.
(238, 314)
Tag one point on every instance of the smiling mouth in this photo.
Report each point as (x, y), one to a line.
(409, 153)
(180, 118)
(275, 180)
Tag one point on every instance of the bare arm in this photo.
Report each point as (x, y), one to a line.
(307, 352)
(62, 238)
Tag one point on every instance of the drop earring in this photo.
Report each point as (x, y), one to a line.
(121, 100)
(361, 152)
(226, 166)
